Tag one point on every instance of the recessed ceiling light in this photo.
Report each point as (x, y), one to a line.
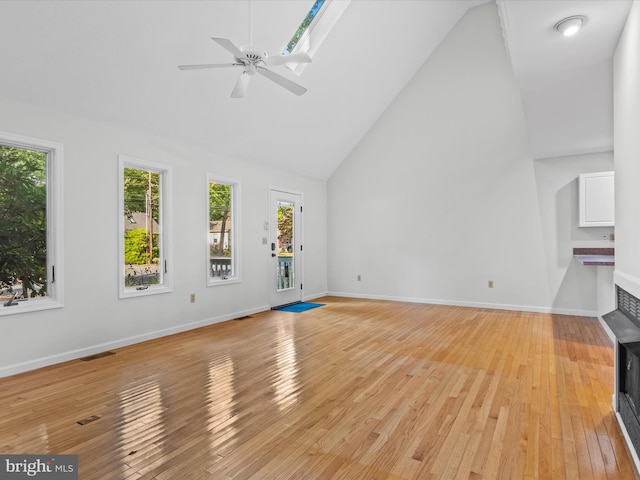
(569, 26)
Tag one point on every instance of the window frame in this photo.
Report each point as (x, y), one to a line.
(316, 32)
(236, 265)
(166, 227)
(55, 223)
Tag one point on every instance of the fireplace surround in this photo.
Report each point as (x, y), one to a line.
(624, 322)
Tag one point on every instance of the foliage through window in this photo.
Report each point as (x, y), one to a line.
(222, 233)
(314, 29)
(285, 227)
(28, 244)
(144, 254)
(317, 5)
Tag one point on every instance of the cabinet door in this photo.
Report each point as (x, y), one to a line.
(596, 199)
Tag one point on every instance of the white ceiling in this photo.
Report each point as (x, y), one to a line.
(116, 62)
(566, 82)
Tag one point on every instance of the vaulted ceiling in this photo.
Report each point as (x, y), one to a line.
(566, 82)
(116, 62)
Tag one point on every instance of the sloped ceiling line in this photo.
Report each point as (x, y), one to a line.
(504, 23)
(566, 83)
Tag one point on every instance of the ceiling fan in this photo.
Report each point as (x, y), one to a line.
(253, 61)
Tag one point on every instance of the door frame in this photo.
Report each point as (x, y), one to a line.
(298, 243)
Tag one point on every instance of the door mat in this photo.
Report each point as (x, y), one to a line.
(299, 307)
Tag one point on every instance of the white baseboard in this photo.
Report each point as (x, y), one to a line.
(313, 296)
(123, 342)
(83, 352)
(457, 303)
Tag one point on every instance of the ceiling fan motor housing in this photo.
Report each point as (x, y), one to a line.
(252, 58)
(254, 61)
(252, 54)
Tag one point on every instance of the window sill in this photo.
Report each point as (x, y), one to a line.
(150, 290)
(217, 283)
(30, 306)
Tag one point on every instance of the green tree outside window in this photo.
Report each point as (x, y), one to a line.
(23, 220)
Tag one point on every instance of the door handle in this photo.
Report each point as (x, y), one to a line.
(273, 246)
(273, 254)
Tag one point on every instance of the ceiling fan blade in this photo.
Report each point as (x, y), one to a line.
(229, 46)
(293, 87)
(241, 85)
(283, 59)
(209, 65)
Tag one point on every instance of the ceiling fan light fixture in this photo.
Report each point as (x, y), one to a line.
(569, 26)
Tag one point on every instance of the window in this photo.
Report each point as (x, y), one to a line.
(145, 224)
(223, 263)
(303, 27)
(314, 28)
(31, 276)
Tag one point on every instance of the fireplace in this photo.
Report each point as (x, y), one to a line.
(629, 390)
(624, 322)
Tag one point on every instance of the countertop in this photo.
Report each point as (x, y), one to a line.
(595, 256)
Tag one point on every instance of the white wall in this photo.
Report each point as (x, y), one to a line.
(93, 318)
(573, 286)
(627, 153)
(440, 196)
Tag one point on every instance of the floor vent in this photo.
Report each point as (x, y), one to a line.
(90, 419)
(243, 318)
(97, 355)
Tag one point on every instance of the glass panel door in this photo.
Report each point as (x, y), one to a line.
(285, 253)
(285, 270)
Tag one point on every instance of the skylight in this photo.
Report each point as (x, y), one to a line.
(317, 5)
(314, 28)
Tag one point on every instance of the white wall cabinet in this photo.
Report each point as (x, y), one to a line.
(596, 199)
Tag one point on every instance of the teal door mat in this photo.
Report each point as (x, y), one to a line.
(299, 307)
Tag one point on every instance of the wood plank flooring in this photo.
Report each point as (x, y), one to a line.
(357, 389)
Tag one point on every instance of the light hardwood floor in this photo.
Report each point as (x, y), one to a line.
(357, 389)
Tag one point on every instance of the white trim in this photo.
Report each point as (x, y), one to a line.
(166, 226)
(76, 354)
(627, 438)
(235, 231)
(314, 296)
(300, 258)
(457, 303)
(616, 376)
(222, 281)
(317, 31)
(55, 222)
(33, 305)
(287, 190)
(627, 282)
(123, 342)
(607, 330)
(631, 284)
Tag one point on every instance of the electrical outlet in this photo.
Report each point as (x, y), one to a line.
(490, 284)
(605, 237)
(192, 298)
